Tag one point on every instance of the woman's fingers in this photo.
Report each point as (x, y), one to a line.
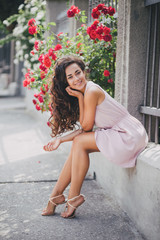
(53, 145)
(69, 91)
(49, 147)
(72, 92)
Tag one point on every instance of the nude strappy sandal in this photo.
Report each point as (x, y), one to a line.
(72, 215)
(51, 200)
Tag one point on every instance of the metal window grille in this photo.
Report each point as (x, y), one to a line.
(94, 3)
(151, 108)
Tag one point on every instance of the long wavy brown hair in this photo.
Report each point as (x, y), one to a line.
(65, 108)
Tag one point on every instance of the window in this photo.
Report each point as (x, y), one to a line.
(151, 107)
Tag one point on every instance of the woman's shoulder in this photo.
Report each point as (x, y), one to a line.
(92, 87)
(94, 90)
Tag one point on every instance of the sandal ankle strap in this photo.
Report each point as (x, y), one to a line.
(57, 196)
(71, 199)
(52, 198)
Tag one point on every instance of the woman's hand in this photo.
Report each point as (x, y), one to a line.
(73, 93)
(53, 145)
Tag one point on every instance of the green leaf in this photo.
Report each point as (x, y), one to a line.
(51, 24)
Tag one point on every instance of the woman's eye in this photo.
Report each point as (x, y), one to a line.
(78, 72)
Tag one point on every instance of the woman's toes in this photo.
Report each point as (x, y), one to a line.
(64, 215)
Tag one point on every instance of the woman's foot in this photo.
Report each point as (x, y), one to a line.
(53, 202)
(71, 206)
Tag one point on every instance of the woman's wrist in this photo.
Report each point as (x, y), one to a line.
(60, 139)
(80, 96)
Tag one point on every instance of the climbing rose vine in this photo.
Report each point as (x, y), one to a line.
(96, 44)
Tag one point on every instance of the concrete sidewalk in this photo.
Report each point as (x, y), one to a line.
(27, 176)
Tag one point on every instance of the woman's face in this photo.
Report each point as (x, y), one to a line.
(76, 77)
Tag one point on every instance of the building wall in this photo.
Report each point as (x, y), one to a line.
(136, 189)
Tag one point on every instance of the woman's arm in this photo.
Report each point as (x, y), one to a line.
(71, 136)
(54, 144)
(81, 108)
(87, 106)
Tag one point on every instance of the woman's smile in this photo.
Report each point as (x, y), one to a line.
(76, 77)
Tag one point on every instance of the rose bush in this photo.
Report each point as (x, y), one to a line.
(96, 44)
(28, 13)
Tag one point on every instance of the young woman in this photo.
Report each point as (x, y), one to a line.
(119, 136)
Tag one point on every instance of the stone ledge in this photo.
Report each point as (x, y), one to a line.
(135, 189)
(151, 152)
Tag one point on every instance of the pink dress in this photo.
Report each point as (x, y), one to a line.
(119, 136)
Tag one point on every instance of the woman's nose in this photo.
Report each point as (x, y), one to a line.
(76, 78)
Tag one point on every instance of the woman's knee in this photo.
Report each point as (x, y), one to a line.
(78, 141)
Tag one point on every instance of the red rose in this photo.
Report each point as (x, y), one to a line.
(27, 75)
(70, 13)
(110, 80)
(41, 57)
(38, 107)
(99, 30)
(93, 35)
(107, 38)
(91, 28)
(100, 37)
(32, 52)
(36, 45)
(40, 99)
(105, 10)
(111, 11)
(36, 95)
(25, 83)
(42, 75)
(32, 30)
(95, 9)
(31, 22)
(48, 123)
(58, 47)
(106, 73)
(34, 101)
(75, 9)
(100, 6)
(96, 14)
(46, 87)
(42, 67)
(106, 30)
(50, 52)
(88, 30)
(95, 22)
(32, 79)
(54, 57)
(47, 61)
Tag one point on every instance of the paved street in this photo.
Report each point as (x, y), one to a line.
(27, 176)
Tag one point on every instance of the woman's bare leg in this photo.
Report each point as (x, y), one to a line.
(64, 177)
(83, 144)
(63, 181)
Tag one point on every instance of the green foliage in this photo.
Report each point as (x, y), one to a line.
(98, 54)
(24, 42)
